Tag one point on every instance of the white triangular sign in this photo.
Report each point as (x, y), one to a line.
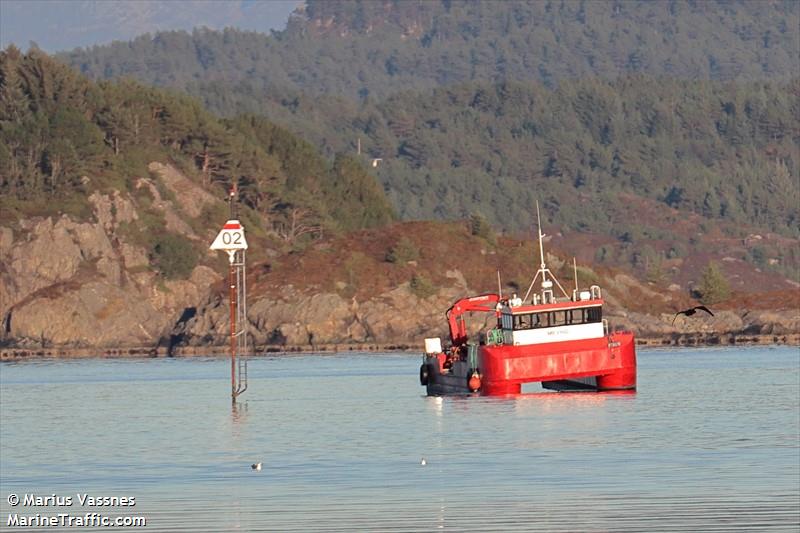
(231, 237)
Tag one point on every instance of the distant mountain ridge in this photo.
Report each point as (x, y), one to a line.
(372, 49)
(56, 25)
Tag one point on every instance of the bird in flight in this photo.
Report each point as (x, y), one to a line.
(693, 310)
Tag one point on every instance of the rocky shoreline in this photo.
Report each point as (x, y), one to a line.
(141, 352)
(77, 288)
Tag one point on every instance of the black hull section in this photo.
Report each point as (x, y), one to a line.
(572, 385)
(453, 381)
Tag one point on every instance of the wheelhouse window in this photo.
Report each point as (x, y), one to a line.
(547, 319)
(594, 314)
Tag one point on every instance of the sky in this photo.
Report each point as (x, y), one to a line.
(59, 25)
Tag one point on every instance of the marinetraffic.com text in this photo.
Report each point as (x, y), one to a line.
(71, 511)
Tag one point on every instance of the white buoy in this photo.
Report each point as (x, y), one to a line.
(423, 462)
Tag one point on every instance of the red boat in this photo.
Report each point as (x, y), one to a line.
(563, 343)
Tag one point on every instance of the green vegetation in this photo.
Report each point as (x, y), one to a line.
(480, 227)
(173, 256)
(340, 195)
(714, 287)
(357, 200)
(402, 252)
(719, 150)
(62, 136)
(591, 108)
(421, 286)
(488, 106)
(586, 276)
(367, 50)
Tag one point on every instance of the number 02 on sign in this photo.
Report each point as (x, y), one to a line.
(230, 238)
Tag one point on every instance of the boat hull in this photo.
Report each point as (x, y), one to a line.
(602, 364)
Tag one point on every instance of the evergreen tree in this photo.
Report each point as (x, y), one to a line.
(714, 287)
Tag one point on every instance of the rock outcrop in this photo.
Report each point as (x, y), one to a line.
(85, 284)
(296, 318)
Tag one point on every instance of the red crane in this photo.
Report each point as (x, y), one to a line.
(485, 303)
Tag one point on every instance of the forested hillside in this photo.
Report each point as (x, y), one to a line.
(724, 151)
(373, 49)
(63, 136)
(485, 107)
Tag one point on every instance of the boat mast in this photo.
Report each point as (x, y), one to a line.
(542, 268)
(575, 277)
(547, 284)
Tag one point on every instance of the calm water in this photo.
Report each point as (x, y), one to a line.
(709, 443)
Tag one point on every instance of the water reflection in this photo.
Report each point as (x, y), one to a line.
(522, 404)
(435, 404)
(238, 413)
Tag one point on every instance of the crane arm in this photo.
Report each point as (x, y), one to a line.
(485, 303)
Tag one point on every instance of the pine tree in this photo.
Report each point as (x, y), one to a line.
(714, 286)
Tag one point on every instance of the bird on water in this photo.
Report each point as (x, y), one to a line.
(693, 310)
(256, 467)
(423, 462)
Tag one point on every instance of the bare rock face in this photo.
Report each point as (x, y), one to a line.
(168, 208)
(293, 319)
(133, 256)
(722, 322)
(104, 314)
(179, 294)
(80, 284)
(310, 319)
(112, 210)
(193, 197)
(399, 316)
(784, 322)
(296, 318)
(45, 255)
(93, 314)
(6, 240)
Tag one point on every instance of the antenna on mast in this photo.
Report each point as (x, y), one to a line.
(547, 284)
(541, 237)
(499, 295)
(575, 276)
